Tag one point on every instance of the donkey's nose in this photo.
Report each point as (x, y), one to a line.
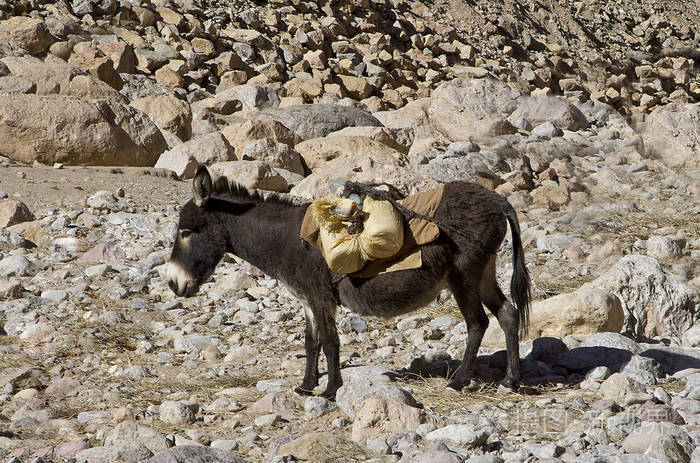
(172, 284)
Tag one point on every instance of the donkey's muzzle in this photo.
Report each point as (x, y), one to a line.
(180, 282)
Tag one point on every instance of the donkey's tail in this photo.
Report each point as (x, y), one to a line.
(520, 281)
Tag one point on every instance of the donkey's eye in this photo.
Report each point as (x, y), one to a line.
(185, 233)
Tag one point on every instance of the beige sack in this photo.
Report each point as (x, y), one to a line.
(381, 237)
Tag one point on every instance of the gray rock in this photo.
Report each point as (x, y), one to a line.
(130, 431)
(125, 452)
(654, 301)
(272, 385)
(94, 417)
(547, 349)
(555, 110)
(194, 454)
(665, 247)
(177, 413)
(318, 120)
(436, 456)
(360, 383)
(545, 132)
(252, 96)
(462, 108)
(205, 149)
(644, 370)
(653, 437)
(378, 447)
(315, 407)
(352, 323)
(195, 342)
(16, 266)
(620, 425)
(459, 434)
(612, 340)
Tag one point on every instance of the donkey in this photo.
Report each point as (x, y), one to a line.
(263, 229)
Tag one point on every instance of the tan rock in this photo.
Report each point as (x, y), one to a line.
(275, 154)
(169, 113)
(318, 151)
(460, 108)
(74, 131)
(550, 194)
(10, 289)
(240, 134)
(382, 135)
(231, 79)
(312, 445)
(98, 65)
(205, 149)
(171, 17)
(169, 77)
(13, 212)
(618, 386)
(55, 76)
(378, 417)
(30, 33)
(122, 55)
(203, 46)
(581, 313)
(252, 174)
(672, 134)
(356, 87)
(304, 87)
(405, 179)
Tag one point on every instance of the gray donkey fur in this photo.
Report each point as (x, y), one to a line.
(263, 229)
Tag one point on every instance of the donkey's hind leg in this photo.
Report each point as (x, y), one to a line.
(312, 346)
(507, 316)
(466, 293)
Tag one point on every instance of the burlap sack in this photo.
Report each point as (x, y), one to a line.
(381, 237)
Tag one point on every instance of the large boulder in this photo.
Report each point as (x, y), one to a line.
(377, 417)
(194, 454)
(552, 109)
(318, 151)
(251, 96)
(74, 131)
(654, 302)
(252, 174)
(672, 133)
(242, 133)
(169, 113)
(206, 149)
(581, 313)
(461, 108)
(13, 212)
(29, 33)
(276, 154)
(318, 120)
(55, 76)
(317, 185)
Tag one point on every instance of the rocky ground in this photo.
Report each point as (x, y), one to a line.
(584, 114)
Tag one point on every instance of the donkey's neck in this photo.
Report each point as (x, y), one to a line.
(267, 236)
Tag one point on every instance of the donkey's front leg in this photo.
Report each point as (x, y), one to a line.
(312, 345)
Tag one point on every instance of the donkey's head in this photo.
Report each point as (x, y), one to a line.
(200, 242)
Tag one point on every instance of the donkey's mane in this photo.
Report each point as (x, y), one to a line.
(230, 189)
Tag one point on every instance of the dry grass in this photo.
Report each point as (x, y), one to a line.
(641, 225)
(431, 392)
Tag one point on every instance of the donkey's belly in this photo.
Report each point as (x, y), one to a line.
(391, 294)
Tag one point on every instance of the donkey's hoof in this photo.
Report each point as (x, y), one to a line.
(329, 394)
(301, 390)
(457, 384)
(509, 383)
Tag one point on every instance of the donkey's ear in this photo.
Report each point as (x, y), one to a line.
(201, 186)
